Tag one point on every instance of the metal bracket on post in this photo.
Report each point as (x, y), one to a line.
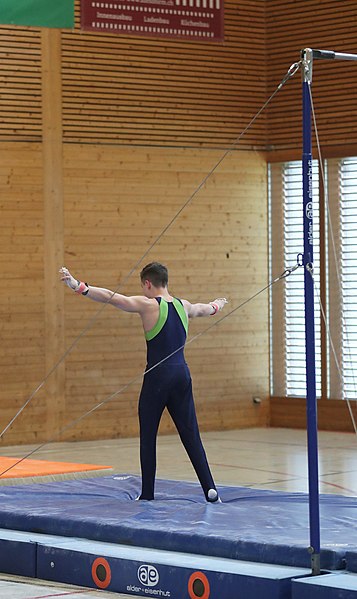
(315, 563)
(307, 59)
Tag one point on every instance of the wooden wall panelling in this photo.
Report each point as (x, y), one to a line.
(20, 84)
(333, 414)
(53, 227)
(207, 251)
(21, 239)
(142, 91)
(119, 90)
(22, 351)
(292, 26)
(131, 90)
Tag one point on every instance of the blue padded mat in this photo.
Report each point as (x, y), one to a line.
(351, 561)
(251, 524)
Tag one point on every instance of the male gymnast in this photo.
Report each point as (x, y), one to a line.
(167, 380)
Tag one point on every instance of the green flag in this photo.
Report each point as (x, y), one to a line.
(37, 13)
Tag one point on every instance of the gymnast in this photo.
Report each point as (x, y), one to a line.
(167, 380)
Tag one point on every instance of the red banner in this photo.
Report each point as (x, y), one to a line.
(199, 20)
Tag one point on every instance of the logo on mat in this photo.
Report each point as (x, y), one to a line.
(148, 575)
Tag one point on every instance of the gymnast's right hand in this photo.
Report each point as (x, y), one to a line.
(67, 278)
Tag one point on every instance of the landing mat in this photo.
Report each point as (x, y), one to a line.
(250, 524)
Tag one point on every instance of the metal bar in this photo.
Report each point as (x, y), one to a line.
(308, 262)
(331, 55)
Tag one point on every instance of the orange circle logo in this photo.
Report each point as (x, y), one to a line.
(198, 586)
(101, 573)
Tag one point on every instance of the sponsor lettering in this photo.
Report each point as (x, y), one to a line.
(148, 575)
(148, 591)
(157, 20)
(187, 23)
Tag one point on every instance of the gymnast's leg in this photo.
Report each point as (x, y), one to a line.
(151, 406)
(182, 410)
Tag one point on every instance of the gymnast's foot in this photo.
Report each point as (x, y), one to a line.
(213, 497)
(141, 498)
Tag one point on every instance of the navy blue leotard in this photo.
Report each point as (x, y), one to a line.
(169, 385)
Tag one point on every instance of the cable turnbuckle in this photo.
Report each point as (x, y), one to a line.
(291, 72)
(289, 270)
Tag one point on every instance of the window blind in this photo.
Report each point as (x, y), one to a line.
(348, 275)
(288, 321)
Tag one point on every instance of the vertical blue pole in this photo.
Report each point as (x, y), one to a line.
(311, 406)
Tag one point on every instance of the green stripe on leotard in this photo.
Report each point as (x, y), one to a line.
(181, 312)
(164, 310)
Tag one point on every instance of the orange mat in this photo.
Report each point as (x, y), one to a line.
(33, 468)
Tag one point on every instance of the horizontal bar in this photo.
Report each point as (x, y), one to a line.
(330, 55)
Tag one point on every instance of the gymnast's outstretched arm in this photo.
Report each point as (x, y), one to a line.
(210, 309)
(136, 303)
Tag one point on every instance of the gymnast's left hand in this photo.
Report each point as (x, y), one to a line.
(220, 302)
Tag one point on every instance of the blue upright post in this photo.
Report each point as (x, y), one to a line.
(308, 262)
(311, 407)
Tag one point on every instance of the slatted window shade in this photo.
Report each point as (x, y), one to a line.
(288, 317)
(348, 279)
